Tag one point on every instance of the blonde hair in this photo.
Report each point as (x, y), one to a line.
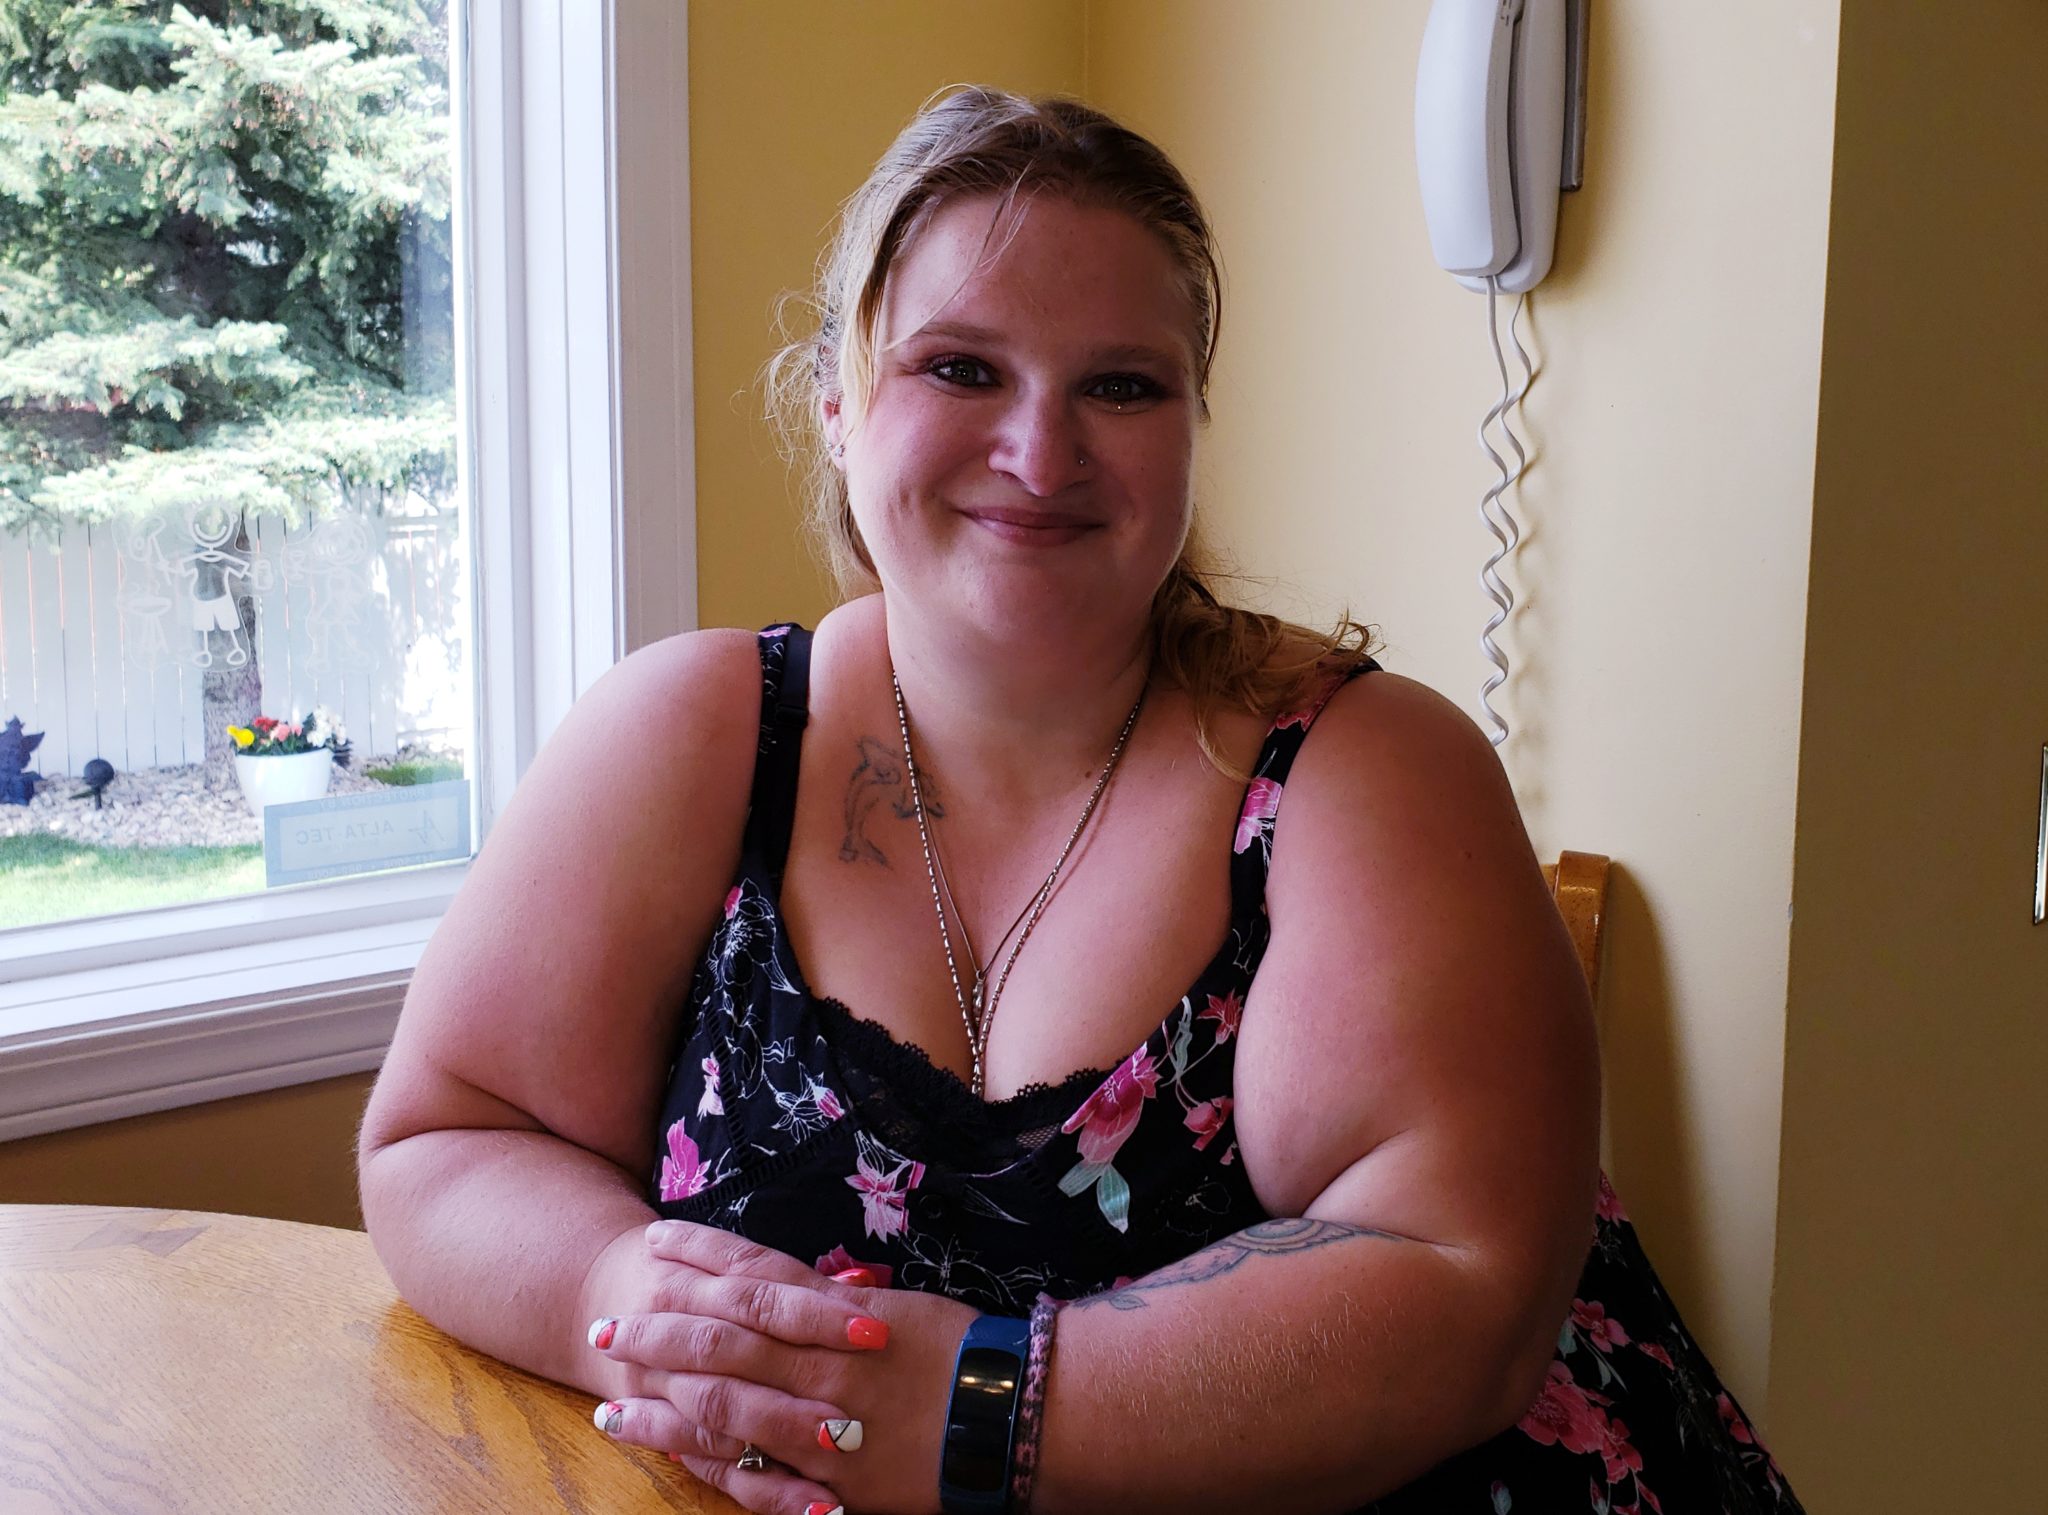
(971, 140)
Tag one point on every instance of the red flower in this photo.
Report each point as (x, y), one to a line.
(1619, 1455)
(1732, 1419)
(1106, 1118)
(1261, 804)
(1226, 1011)
(1207, 1118)
(1608, 1205)
(838, 1260)
(1563, 1416)
(1656, 1354)
(264, 724)
(1602, 1332)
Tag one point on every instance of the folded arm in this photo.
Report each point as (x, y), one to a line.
(1417, 1082)
(507, 1146)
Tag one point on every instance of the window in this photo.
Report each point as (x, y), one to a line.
(233, 547)
(471, 585)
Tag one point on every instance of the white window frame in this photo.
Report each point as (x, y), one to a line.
(106, 1018)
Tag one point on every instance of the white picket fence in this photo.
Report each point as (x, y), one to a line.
(368, 615)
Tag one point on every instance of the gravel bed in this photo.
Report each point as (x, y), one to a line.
(158, 807)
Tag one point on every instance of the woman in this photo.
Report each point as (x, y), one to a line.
(847, 1001)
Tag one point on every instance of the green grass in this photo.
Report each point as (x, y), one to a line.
(51, 878)
(406, 774)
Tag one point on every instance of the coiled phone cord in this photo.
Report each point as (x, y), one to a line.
(1505, 531)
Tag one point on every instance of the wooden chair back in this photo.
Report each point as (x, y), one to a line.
(1578, 882)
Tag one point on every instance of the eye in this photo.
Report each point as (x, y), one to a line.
(962, 371)
(1125, 388)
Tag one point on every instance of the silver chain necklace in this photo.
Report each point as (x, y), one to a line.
(976, 1015)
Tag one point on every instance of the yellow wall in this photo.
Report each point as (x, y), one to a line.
(790, 105)
(1658, 647)
(1912, 1316)
(288, 1154)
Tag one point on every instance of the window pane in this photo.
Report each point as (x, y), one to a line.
(234, 558)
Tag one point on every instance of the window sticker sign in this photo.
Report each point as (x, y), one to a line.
(366, 833)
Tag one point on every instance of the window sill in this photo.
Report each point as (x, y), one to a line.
(135, 1022)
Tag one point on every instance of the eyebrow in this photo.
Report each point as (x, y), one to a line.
(1120, 352)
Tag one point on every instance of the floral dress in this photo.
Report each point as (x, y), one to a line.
(794, 1122)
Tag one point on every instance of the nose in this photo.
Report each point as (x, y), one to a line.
(1039, 442)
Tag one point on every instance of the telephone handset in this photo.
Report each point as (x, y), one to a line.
(1498, 133)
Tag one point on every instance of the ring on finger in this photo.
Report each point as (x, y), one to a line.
(752, 1459)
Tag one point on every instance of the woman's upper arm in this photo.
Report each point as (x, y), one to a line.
(1418, 1050)
(546, 999)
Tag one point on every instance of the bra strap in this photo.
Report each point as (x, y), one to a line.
(785, 711)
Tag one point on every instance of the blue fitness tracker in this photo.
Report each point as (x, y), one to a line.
(981, 1420)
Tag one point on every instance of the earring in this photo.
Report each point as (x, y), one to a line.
(838, 449)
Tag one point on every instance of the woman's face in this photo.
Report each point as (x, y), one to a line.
(1023, 466)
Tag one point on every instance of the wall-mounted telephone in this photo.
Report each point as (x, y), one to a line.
(1499, 131)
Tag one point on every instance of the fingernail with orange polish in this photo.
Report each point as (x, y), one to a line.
(860, 1278)
(602, 1330)
(610, 1417)
(839, 1435)
(866, 1332)
(819, 1507)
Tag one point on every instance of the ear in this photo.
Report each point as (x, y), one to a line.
(830, 419)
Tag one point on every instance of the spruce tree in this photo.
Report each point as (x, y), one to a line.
(224, 269)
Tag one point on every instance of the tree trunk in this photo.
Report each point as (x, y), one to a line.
(231, 693)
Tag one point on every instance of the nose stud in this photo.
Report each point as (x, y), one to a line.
(1080, 460)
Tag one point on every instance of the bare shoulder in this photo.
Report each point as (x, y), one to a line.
(548, 993)
(1420, 990)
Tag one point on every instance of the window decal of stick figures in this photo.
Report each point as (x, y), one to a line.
(214, 571)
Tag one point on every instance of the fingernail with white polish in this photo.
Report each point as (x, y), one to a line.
(602, 1330)
(839, 1435)
(610, 1417)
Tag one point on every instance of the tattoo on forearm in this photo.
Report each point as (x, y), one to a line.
(880, 778)
(1269, 1238)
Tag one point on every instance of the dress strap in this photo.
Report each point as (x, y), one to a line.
(1253, 845)
(785, 710)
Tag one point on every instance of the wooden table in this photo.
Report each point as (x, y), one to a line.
(169, 1361)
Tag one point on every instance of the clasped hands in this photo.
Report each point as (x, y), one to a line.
(717, 1342)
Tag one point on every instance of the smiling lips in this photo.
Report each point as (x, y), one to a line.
(1030, 528)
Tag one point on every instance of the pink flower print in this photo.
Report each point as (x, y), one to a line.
(1261, 804)
(1656, 1354)
(1620, 1457)
(1608, 1205)
(1207, 1118)
(1563, 1416)
(682, 1171)
(883, 1195)
(1226, 1011)
(1732, 1419)
(838, 1260)
(828, 1104)
(1602, 1331)
(710, 1103)
(1108, 1115)
(732, 902)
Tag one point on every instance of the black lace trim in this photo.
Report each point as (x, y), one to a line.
(907, 1071)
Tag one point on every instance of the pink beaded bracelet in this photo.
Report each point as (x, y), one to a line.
(1031, 1403)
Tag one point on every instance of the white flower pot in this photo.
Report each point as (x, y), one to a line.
(282, 778)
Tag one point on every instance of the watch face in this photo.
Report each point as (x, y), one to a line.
(990, 1370)
(978, 1431)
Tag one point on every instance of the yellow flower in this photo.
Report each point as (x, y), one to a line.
(243, 735)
